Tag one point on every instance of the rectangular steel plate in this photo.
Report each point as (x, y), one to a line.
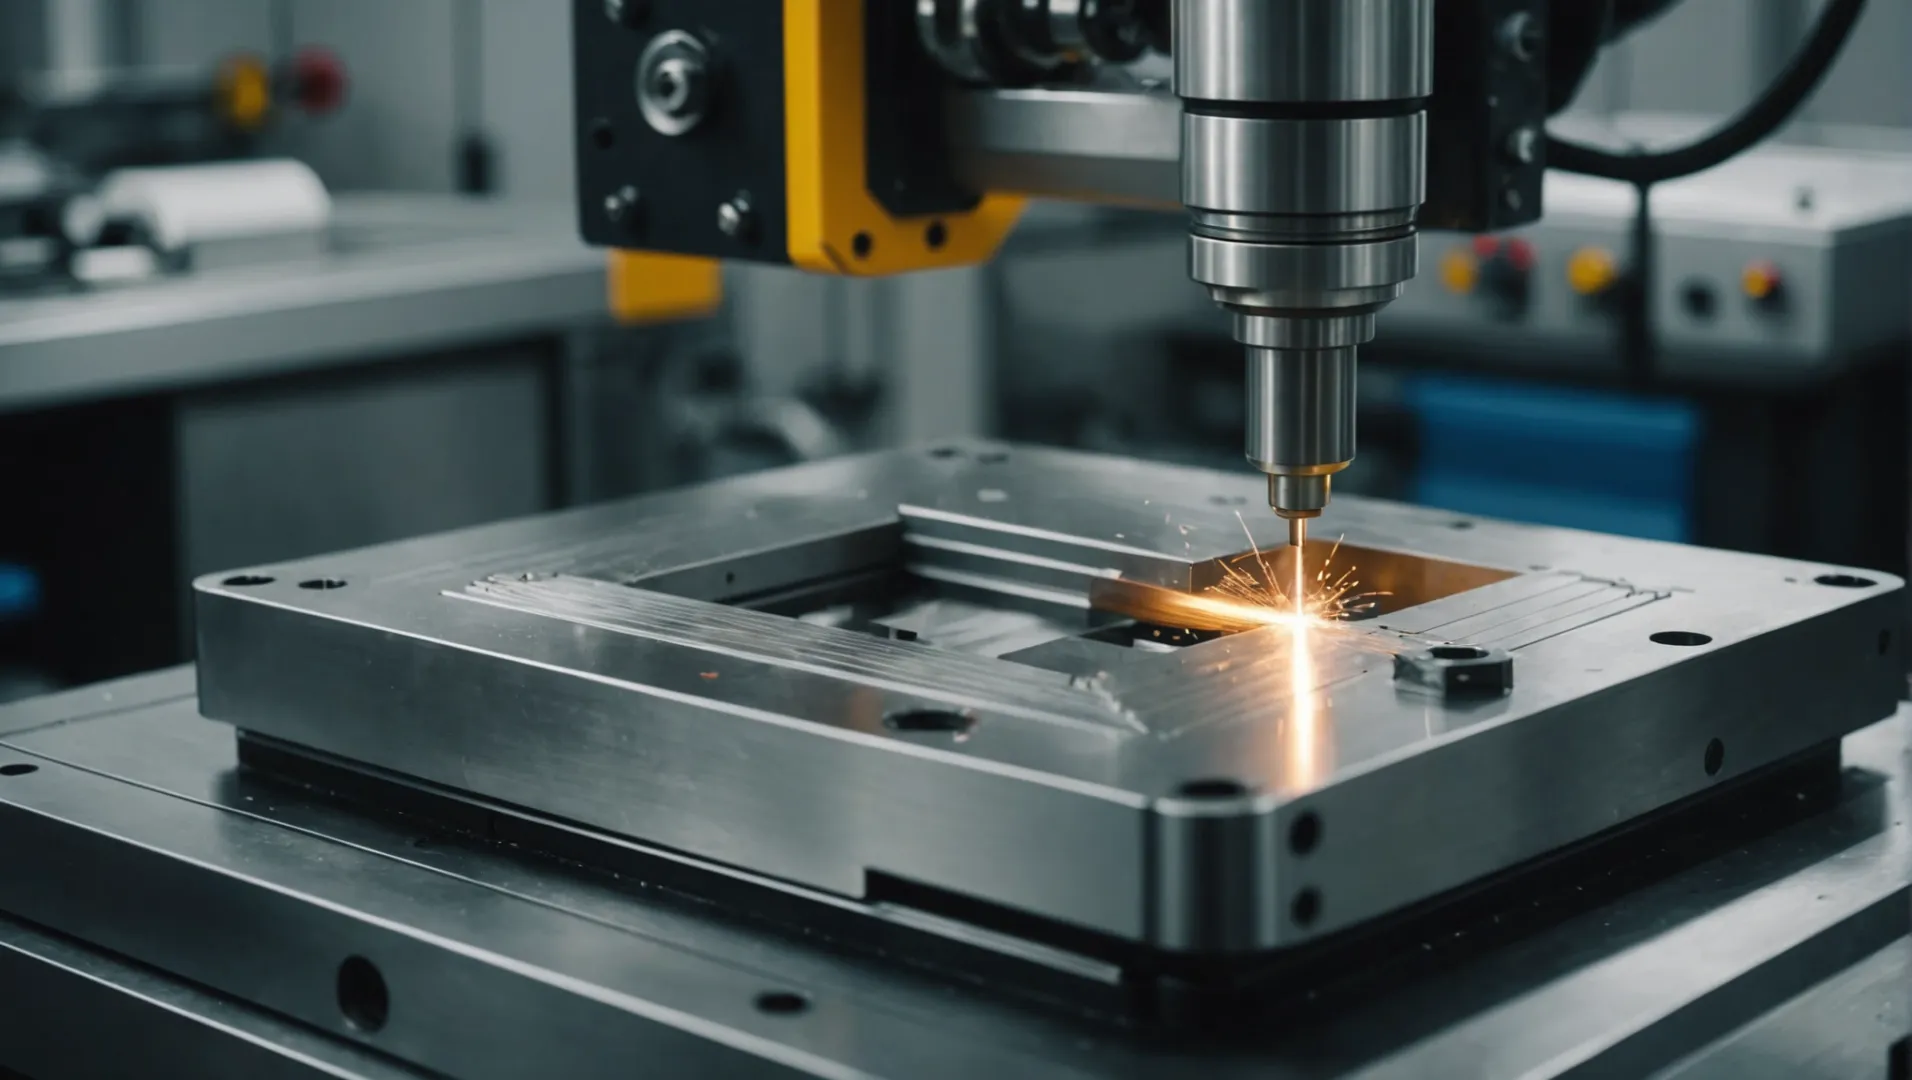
(610, 667)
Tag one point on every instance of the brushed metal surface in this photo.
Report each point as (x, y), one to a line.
(1303, 51)
(761, 742)
(252, 893)
(1247, 165)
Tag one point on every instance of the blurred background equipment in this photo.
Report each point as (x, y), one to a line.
(242, 316)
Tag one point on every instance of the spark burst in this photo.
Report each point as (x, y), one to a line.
(1332, 596)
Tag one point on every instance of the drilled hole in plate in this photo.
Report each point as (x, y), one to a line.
(1683, 638)
(929, 720)
(18, 769)
(364, 1000)
(1213, 787)
(1305, 834)
(240, 581)
(782, 1002)
(322, 583)
(860, 245)
(603, 135)
(1306, 907)
(1845, 581)
(936, 235)
(1458, 652)
(945, 452)
(1715, 757)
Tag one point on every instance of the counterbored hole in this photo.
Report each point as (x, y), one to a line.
(1685, 638)
(1715, 757)
(929, 720)
(1305, 834)
(1214, 787)
(363, 998)
(1458, 652)
(860, 244)
(1306, 907)
(18, 769)
(1845, 581)
(782, 1002)
(322, 583)
(936, 235)
(243, 580)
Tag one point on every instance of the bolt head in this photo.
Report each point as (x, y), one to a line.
(730, 218)
(1523, 145)
(621, 205)
(674, 90)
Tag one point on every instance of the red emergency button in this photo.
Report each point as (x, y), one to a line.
(1519, 255)
(318, 80)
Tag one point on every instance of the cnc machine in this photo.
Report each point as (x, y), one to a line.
(975, 759)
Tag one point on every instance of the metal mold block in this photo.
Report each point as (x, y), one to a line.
(719, 671)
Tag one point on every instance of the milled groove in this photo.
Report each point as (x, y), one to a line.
(989, 684)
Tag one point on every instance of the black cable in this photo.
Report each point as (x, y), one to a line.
(1760, 119)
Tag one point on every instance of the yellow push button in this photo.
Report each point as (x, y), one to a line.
(1460, 270)
(1592, 271)
(243, 92)
(1761, 281)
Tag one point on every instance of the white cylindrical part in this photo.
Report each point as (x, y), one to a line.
(182, 205)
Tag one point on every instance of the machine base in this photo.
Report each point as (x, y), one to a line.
(1056, 966)
(203, 919)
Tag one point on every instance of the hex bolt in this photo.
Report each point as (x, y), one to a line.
(736, 219)
(1523, 144)
(620, 206)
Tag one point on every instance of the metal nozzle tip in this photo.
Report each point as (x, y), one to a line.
(1297, 532)
(1297, 496)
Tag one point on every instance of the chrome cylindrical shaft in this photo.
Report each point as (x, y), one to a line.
(1303, 167)
(1300, 422)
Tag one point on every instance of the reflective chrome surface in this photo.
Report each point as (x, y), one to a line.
(252, 895)
(1259, 171)
(642, 668)
(1303, 167)
(1262, 283)
(1300, 412)
(1304, 50)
